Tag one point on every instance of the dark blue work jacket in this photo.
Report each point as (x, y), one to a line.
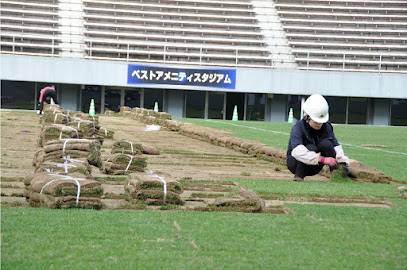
(303, 133)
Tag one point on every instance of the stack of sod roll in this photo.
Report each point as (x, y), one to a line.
(84, 116)
(90, 131)
(53, 114)
(127, 147)
(60, 150)
(63, 176)
(104, 133)
(119, 164)
(133, 148)
(151, 117)
(70, 165)
(62, 191)
(125, 110)
(58, 131)
(153, 188)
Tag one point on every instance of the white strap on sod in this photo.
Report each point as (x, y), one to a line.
(70, 128)
(66, 178)
(131, 145)
(162, 179)
(56, 117)
(86, 121)
(68, 158)
(68, 140)
(128, 165)
(105, 131)
(80, 121)
(65, 165)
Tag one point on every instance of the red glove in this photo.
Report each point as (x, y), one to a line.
(328, 160)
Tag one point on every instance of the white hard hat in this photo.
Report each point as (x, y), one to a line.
(317, 108)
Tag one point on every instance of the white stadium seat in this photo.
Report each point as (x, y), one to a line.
(353, 35)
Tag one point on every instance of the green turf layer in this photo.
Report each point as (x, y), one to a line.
(315, 237)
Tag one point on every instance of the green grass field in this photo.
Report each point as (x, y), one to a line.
(391, 159)
(311, 237)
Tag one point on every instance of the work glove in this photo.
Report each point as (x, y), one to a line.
(328, 161)
(345, 170)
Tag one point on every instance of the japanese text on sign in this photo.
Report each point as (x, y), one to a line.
(218, 78)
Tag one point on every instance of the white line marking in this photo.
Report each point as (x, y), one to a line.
(381, 150)
(284, 133)
(272, 131)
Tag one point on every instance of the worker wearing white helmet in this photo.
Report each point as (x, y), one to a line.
(313, 143)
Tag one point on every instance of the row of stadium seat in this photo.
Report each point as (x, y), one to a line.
(346, 34)
(352, 35)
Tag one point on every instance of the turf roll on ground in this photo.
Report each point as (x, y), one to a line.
(57, 150)
(124, 164)
(245, 201)
(127, 147)
(154, 188)
(62, 191)
(69, 166)
(58, 131)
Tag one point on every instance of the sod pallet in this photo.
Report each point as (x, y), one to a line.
(124, 110)
(133, 148)
(83, 116)
(154, 188)
(62, 191)
(127, 147)
(88, 127)
(104, 132)
(69, 166)
(54, 117)
(58, 131)
(58, 150)
(119, 164)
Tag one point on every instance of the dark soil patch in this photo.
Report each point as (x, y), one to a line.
(187, 159)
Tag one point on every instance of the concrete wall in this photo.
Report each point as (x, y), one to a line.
(379, 114)
(69, 74)
(175, 103)
(278, 108)
(254, 80)
(69, 97)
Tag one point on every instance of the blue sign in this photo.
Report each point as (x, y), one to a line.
(217, 78)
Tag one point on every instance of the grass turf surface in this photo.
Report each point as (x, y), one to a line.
(322, 188)
(315, 237)
(391, 160)
(312, 237)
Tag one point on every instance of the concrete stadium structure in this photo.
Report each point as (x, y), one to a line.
(201, 58)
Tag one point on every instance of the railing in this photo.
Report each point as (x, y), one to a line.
(269, 63)
(344, 62)
(15, 45)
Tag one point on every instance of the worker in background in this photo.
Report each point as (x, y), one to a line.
(46, 94)
(313, 143)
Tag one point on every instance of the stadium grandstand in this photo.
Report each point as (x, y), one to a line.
(201, 58)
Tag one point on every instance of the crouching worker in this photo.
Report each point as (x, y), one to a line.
(46, 94)
(312, 142)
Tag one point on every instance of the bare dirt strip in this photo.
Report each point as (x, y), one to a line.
(186, 159)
